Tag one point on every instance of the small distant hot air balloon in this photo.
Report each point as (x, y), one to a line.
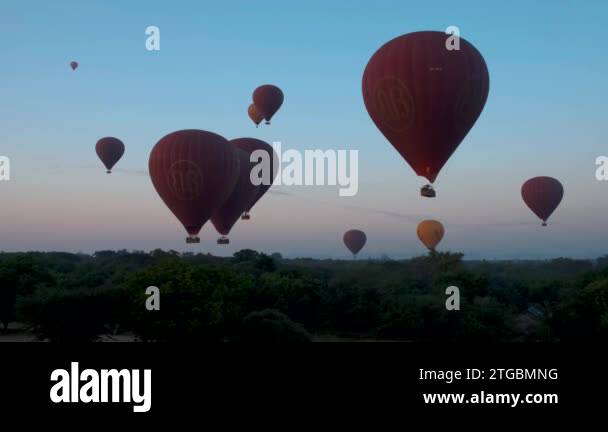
(194, 172)
(240, 199)
(425, 98)
(251, 145)
(430, 233)
(109, 150)
(267, 100)
(255, 115)
(542, 195)
(354, 241)
(74, 65)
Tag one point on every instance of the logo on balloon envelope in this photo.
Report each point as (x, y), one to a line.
(394, 104)
(185, 180)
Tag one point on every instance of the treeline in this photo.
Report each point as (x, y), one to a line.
(256, 297)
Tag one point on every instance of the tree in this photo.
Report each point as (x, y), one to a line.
(272, 326)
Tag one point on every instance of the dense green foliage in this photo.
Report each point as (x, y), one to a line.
(255, 297)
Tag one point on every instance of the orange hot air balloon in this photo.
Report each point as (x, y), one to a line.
(74, 65)
(354, 241)
(542, 195)
(251, 145)
(425, 98)
(267, 100)
(109, 150)
(243, 194)
(430, 233)
(255, 115)
(194, 172)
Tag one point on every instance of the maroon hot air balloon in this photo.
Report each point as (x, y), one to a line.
(194, 172)
(240, 199)
(425, 98)
(542, 195)
(354, 240)
(109, 150)
(267, 100)
(74, 65)
(264, 174)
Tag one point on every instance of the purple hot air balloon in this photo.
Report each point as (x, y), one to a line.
(542, 195)
(109, 150)
(354, 240)
(251, 145)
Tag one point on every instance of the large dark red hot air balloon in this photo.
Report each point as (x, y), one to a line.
(425, 98)
(74, 65)
(194, 172)
(354, 240)
(240, 199)
(542, 195)
(265, 174)
(268, 99)
(109, 150)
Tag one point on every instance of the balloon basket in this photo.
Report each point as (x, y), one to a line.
(193, 239)
(108, 172)
(245, 216)
(223, 241)
(267, 122)
(543, 224)
(428, 191)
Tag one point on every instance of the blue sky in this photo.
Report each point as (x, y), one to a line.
(545, 115)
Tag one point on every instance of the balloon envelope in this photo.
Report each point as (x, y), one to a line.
(268, 99)
(425, 98)
(355, 240)
(255, 115)
(542, 195)
(430, 233)
(240, 199)
(74, 65)
(109, 150)
(269, 164)
(194, 172)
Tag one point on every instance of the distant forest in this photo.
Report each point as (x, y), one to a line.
(253, 297)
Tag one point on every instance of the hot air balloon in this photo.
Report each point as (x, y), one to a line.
(430, 233)
(251, 145)
(242, 195)
(354, 241)
(542, 195)
(425, 98)
(255, 115)
(74, 65)
(194, 172)
(109, 150)
(268, 99)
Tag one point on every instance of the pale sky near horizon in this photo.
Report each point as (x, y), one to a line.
(545, 115)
